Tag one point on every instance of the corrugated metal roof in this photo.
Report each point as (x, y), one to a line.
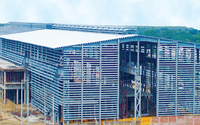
(59, 38)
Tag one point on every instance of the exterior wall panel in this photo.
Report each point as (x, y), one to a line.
(177, 87)
(91, 87)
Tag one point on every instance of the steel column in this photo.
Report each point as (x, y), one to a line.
(100, 79)
(157, 86)
(82, 85)
(194, 84)
(118, 50)
(137, 107)
(176, 56)
(27, 102)
(22, 103)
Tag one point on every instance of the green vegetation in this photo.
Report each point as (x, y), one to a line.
(171, 32)
(2, 24)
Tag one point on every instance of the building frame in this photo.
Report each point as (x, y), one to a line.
(85, 77)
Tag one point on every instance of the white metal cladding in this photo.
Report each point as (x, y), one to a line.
(59, 38)
(178, 85)
(91, 87)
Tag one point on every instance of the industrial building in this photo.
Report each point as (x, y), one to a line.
(95, 72)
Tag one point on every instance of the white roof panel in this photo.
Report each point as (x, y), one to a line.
(59, 38)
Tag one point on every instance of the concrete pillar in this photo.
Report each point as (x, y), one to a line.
(17, 94)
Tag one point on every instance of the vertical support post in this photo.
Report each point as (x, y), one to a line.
(194, 85)
(21, 103)
(157, 86)
(45, 110)
(118, 81)
(17, 96)
(4, 95)
(125, 53)
(197, 55)
(82, 86)
(45, 97)
(4, 87)
(152, 86)
(100, 78)
(0, 46)
(27, 103)
(176, 54)
(53, 107)
(129, 52)
(63, 121)
(138, 57)
(137, 107)
(25, 89)
(139, 82)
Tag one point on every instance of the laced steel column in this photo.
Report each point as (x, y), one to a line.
(138, 86)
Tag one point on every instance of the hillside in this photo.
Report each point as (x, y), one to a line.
(171, 32)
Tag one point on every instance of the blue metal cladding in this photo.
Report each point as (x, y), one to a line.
(43, 67)
(88, 87)
(196, 88)
(91, 82)
(178, 86)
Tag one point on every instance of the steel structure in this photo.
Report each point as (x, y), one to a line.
(85, 28)
(84, 78)
(169, 71)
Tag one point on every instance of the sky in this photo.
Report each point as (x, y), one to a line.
(103, 12)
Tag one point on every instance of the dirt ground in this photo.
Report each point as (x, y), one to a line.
(6, 118)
